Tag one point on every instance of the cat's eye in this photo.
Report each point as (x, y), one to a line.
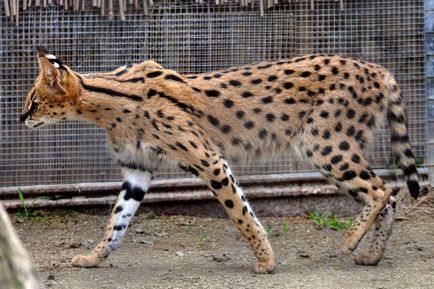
(33, 107)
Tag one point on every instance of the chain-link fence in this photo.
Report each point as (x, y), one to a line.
(191, 37)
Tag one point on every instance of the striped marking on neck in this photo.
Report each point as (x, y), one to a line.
(108, 91)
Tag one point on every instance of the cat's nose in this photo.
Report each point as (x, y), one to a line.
(23, 117)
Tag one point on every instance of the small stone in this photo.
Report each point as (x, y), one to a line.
(222, 258)
(283, 263)
(140, 231)
(161, 234)
(75, 245)
(146, 242)
(303, 254)
(179, 254)
(51, 277)
(88, 244)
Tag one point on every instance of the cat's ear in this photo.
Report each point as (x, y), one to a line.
(49, 67)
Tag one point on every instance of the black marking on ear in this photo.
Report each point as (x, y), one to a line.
(58, 62)
(108, 91)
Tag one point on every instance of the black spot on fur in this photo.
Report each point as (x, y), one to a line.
(267, 99)
(326, 150)
(324, 114)
(247, 94)
(272, 78)
(408, 153)
(338, 127)
(351, 131)
(289, 100)
(212, 93)
(118, 209)
(364, 175)
(180, 145)
(356, 158)
(262, 133)
(327, 167)
(226, 128)
(240, 114)
(174, 77)
(256, 81)
(154, 74)
(413, 187)
(216, 185)
(235, 83)
(264, 66)
(270, 117)
(228, 103)
(349, 175)
(336, 159)
(288, 85)
(344, 145)
(225, 181)
(344, 167)
(235, 141)
(351, 113)
(326, 134)
(257, 110)
(214, 121)
(229, 204)
(249, 124)
(135, 193)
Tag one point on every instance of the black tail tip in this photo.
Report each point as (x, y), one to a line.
(413, 187)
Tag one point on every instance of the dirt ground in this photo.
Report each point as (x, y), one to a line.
(191, 252)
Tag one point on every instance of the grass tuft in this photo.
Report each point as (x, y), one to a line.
(329, 220)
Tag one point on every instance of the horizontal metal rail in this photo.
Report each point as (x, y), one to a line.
(181, 190)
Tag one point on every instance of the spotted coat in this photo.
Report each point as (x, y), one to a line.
(325, 107)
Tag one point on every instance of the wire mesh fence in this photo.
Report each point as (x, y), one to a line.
(191, 38)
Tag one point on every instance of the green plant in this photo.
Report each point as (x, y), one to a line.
(203, 239)
(392, 165)
(26, 212)
(285, 228)
(330, 220)
(418, 161)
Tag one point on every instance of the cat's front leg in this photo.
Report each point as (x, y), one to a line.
(135, 184)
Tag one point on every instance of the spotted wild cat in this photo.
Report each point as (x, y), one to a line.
(327, 107)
